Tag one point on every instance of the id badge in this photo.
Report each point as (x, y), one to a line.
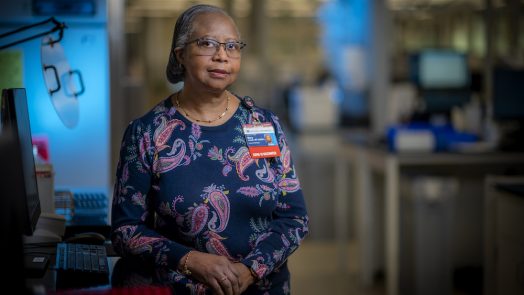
(261, 140)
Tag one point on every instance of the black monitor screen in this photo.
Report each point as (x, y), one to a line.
(15, 118)
(508, 94)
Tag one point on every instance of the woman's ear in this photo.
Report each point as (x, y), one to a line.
(179, 54)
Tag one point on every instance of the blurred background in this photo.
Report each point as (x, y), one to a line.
(404, 117)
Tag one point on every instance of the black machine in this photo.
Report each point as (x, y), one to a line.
(508, 107)
(19, 201)
(15, 119)
(12, 213)
(508, 94)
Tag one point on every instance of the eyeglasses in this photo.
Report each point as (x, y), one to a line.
(210, 47)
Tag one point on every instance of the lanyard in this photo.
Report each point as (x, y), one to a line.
(249, 103)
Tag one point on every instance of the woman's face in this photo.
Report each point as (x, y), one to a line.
(213, 72)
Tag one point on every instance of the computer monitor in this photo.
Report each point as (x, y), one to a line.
(442, 78)
(508, 94)
(12, 211)
(15, 119)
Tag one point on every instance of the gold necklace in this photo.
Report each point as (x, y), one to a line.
(198, 120)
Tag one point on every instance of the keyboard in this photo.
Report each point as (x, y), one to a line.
(81, 265)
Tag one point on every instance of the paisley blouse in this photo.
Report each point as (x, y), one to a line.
(181, 186)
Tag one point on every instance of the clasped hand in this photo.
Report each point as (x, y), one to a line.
(222, 275)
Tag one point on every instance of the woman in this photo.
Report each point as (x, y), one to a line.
(198, 193)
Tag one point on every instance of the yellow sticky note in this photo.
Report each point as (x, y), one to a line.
(11, 69)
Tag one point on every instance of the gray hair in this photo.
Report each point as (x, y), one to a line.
(183, 30)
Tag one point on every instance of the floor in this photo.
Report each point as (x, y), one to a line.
(316, 269)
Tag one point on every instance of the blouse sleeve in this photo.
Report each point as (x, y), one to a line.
(289, 224)
(131, 234)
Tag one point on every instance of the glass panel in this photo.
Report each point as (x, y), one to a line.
(59, 82)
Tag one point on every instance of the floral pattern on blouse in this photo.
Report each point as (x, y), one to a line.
(181, 186)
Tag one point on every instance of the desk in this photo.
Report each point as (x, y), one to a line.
(368, 159)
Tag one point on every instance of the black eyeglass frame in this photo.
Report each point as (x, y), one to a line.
(242, 44)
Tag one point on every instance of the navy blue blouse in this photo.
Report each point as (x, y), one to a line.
(181, 186)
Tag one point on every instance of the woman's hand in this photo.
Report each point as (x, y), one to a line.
(245, 276)
(218, 272)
